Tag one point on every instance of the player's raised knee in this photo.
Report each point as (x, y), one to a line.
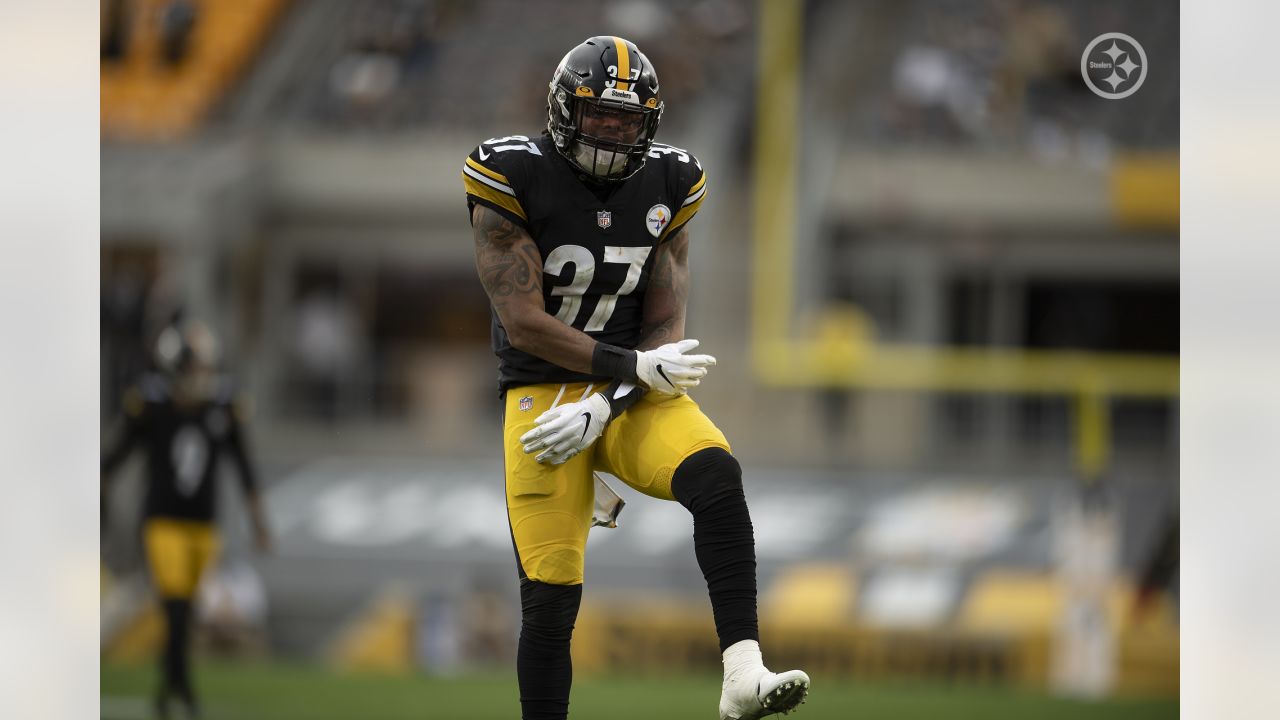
(705, 476)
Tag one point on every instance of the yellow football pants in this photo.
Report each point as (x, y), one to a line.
(178, 551)
(549, 506)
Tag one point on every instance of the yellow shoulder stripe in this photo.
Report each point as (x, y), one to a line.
(497, 197)
(495, 175)
(685, 214)
(696, 186)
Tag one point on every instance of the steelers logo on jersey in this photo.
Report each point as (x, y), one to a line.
(657, 219)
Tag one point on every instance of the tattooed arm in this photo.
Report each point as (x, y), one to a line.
(510, 269)
(668, 291)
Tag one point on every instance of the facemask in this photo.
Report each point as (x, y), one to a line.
(601, 163)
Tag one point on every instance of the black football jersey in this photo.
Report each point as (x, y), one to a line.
(183, 444)
(596, 244)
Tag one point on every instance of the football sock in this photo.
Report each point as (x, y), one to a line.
(709, 484)
(175, 668)
(543, 663)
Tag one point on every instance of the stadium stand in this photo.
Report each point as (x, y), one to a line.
(174, 61)
(393, 64)
(1007, 75)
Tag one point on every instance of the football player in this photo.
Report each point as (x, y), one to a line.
(186, 418)
(582, 245)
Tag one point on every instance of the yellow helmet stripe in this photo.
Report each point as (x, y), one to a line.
(624, 63)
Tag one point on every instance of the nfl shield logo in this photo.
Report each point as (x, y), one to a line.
(604, 219)
(526, 403)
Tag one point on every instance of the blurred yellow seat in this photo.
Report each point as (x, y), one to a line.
(380, 638)
(1016, 601)
(1011, 601)
(814, 594)
(141, 97)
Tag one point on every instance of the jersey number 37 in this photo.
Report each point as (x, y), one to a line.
(584, 272)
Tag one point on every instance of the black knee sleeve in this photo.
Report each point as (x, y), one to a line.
(706, 476)
(543, 663)
(709, 484)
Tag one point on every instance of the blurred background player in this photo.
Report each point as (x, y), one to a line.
(601, 210)
(186, 417)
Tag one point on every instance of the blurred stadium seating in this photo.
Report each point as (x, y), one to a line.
(983, 286)
(175, 60)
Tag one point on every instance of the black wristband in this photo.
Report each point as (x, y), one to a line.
(618, 403)
(615, 362)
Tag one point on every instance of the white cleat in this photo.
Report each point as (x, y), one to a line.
(755, 693)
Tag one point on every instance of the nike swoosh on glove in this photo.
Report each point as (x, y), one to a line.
(670, 370)
(567, 430)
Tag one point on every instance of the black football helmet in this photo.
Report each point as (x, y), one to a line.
(603, 108)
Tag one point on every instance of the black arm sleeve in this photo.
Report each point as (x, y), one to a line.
(615, 362)
(618, 400)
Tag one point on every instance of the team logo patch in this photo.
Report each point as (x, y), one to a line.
(526, 403)
(604, 219)
(657, 218)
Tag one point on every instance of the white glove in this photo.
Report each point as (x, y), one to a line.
(567, 430)
(669, 370)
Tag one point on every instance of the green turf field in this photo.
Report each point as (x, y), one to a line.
(277, 692)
